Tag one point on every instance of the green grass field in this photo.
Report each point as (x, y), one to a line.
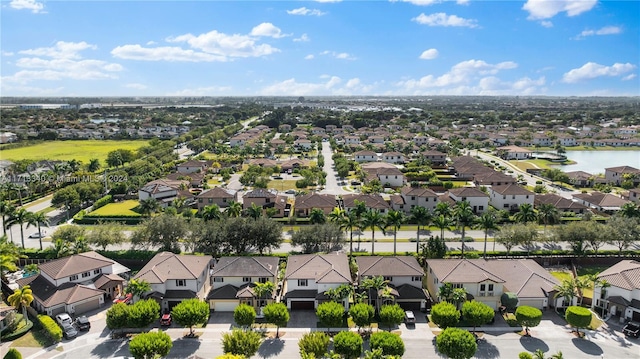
(81, 150)
(124, 208)
(282, 185)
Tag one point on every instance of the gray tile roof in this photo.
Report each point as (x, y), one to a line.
(625, 274)
(76, 264)
(166, 266)
(322, 268)
(246, 267)
(371, 266)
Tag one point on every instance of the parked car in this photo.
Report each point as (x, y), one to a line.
(631, 329)
(68, 331)
(290, 191)
(165, 320)
(355, 183)
(38, 235)
(124, 299)
(409, 317)
(277, 177)
(82, 323)
(64, 319)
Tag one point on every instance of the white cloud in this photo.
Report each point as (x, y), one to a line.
(429, 54)
(607, 30)
(546, 23)
(545, 9)
(331, 85)
(442, 19)
(150, 43)
(462, 2)
(591, 70)
(302, 38)
(34, 6)
(267, 29)
(309, 57)
(61, 50)
(30, 90)
(136, 86)
(7, 53)
(225, 46)
(202, 91)
(163, 53)
(338, 55)
(419, 2)
(629, 77)
(303, 11)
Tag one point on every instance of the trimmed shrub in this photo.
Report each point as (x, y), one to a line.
(445, 314)
(390, 343)
(528, 316)
(13, 353)
(241, 342)
(477, 313)
(315, 343)
(244, 315)
(330, 314)
(391, 315)
(348, 344)
(578, 317)
(509, 300)
(525, 355)
(103, 201)
(51, 328)
(456, 343)
(150, 345)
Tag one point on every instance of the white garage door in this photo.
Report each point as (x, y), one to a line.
(224, 306)
(531, 302)
(87, 306)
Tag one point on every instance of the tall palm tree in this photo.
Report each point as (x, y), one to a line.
(442, 222)
(464, 217)
(486, 222)
(360, 209)
(566, 290)
(234, 209)
(254, 211)
(336, 215)
(423, 217)
(37, 219)
(547, 213)
(20, 216)
(348, 223)
(211, 213)
(373, 219)
(60, 249)
(21, 299)
(525, 213)
(6, 210)
(263, 290)
(316, 216)
(442, 208)
(9, 255)
(375, 284)
(149, 206)
(395, 219)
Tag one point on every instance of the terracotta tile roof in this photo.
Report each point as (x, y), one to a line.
(623, 169)
(467, 192)
(493, 177)
(323, 268)
(389, 266)
(601, 199)
(418, 192)
(559, 202)
(579, 175)
(625, 274)
(246, 267)
(105, 279)
(166, 266)
(374, 201)
(315, 200)
(76, 264)
(218, 192)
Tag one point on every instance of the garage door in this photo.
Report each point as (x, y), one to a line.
(87, 306)
(57, 311)
(531, 303)
(414, 306)
(173, 303)
(636, 316)
(302, 305)
(224, 306)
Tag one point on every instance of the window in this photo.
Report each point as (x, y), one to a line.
(246, 279)
(506, 205)
(456, 285)
(210, 200)
(413, 198)
(464, 198)
(481, 208)
(218, 279)
(73, 277)
(388, 278)
(86, 274)
(181, 283)
(224, 200)
(268, 200)
(199, 200)
(263, 280)
(416, 279)
(303, 283)
(97, 271)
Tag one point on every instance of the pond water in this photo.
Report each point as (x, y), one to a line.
(595, 162)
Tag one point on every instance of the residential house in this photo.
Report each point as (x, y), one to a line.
(486, 280)
(513, 153)
(303, 144)
(365, 156)
(195, 179)
(233, 280)
(351, 140)
(509, 197)
(217, 195)
(419, 196)
(305, 203)
(386, 173)
(293, 164)
(398, 203)
(619, 174)
(478, 200)
(263, 162)
(493, 178)
(192, 166)
(371, 201)
(605, 202)
(376, 139)
(421, 140)
(622, 297)
(436, 158)
(162, 190)
(393, 157)
(309, 276)
(560, 203)
(404, 276)
(75, 284)
(634, 195)
(581, 178)
(174, 278)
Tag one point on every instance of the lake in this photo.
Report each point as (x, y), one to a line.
(595, 162)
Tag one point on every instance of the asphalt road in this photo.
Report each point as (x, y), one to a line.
(331, 186)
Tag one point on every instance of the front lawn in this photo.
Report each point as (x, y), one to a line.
(33, 339)
(124, 208)
(561, 276)
(282, 185)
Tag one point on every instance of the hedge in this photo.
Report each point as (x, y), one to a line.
(103, 201)
(17, 334)
(128, 220)
(50, 327)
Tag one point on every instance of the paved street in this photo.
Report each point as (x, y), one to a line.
(332, 186)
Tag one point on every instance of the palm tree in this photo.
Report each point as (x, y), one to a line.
(263, 290)
(336, 215)
(486, 222)
(316, 216)
(348, 223)
(21, 299)
(373, 219)
(566, 290)
(445, 292)
(442, 223)
(60, 249)
(464, 216)
(458, 296)
(235, 209)
(422, 216)
(6, 210)
(525, 213)
(254, 211)
(375, 284)
(149, 206)
(179, 203)
(80, 245)
(360, 209)
(442, 208)
(557, 355)
(538, 354)
(9, 255)
(137, 287)
(37, 219)
(395, 219)
(211, 213)
(20, 216)
(547, 213)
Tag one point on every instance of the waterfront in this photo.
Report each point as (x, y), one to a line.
(595, 162)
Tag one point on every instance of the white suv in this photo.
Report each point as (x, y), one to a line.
(64, 319)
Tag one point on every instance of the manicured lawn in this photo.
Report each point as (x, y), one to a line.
(530, 164)
(33, 339)
(282, 185)
(562, 275)
(124, 208)
(81, 150)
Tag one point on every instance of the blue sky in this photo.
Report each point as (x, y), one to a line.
(306, 48)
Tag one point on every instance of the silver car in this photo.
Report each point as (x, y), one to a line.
(409, 317)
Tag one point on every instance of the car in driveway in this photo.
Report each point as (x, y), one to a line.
(38, 235)
(165, 320)
(82, 323)
(64, 319)
(631, 329)
(68, 331)
(409, 317)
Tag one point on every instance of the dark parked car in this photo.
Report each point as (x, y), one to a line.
(631, 329)
(82, 323)
(355, 183)
(69, 331)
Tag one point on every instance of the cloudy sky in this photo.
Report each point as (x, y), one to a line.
(328, 47)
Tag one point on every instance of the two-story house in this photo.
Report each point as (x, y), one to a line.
(305, 203)
(486, 280)
(605, 202)
(513, 153)
(478, 200)
(174, 278)
(619, 174)
(75, 284)
(192, 166)
(622, 297)
(233, 281)
(217, 195)
(403, 275)
(393, 157)
(265, 199)
(365, 156)
(436, 158)
(386, 173)
(161, 190)
(419, 196)
(510, 197)
(309, 276)
(371, 201)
